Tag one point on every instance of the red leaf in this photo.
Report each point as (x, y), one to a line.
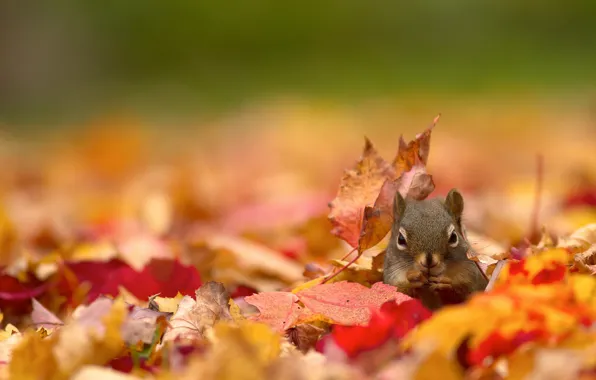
(392, 320)
(550, 275)
(496, 345)
(345, 303)
(280, 310)
(348, 303)
(242, 291)
(167, 277)
(15, 296)
(583, 197)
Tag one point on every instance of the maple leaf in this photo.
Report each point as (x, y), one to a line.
(340, 302)
(359, 187)
(392, 320)
(167, 277)
(348, 303)
(378, 218)
(417, 149)
(533, 304)
(280, 310)
(194, 317)
(547, 267)
(362, 212)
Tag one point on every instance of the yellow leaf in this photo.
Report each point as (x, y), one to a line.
(584, 289)
(93, 372)
(235, 311)
(168, 304)
(308, 284)
(243, 351)
(68, 349)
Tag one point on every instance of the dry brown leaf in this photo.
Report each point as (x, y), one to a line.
(378, 217)
(194, 317)
(305, 336)
(484, 249)
(580, 240)
(586, 261)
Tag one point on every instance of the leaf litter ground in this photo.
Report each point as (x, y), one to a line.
(152, 272)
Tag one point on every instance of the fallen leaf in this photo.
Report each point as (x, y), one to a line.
(532, 304)
(71, 347)
(305, 336)
(254, 257)
(378, 218)
(417, 149)
(580, 240)
(586, 261)
(251, 347)
(391, 321)
(359, 188)
(280, 310)
(9, 338)
(42, 317)
(94, 372)
(166, 304)
(168, 277)
(348, 303)
(415, 183)
(194, 317)
(138, 250)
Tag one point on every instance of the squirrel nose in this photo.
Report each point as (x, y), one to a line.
(428, 260)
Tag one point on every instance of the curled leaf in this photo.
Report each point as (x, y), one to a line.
(580, 240)
(194, 317)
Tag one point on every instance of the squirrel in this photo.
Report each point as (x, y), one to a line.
(426, 257)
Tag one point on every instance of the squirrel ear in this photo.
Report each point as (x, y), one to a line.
(399, 206)
(455, 203)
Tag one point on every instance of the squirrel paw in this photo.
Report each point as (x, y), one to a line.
(416, 278)
(440, 282)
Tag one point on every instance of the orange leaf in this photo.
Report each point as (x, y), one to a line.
(358, 188)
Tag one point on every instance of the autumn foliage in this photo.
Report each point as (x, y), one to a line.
(172, 275)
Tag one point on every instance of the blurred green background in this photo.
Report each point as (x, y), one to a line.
(62, 61)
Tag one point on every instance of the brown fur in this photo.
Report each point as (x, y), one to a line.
(429, 269)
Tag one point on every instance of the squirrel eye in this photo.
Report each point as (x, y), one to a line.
(453, 239)
(401, 239)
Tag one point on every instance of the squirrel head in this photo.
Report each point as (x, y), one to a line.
(429, 231)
